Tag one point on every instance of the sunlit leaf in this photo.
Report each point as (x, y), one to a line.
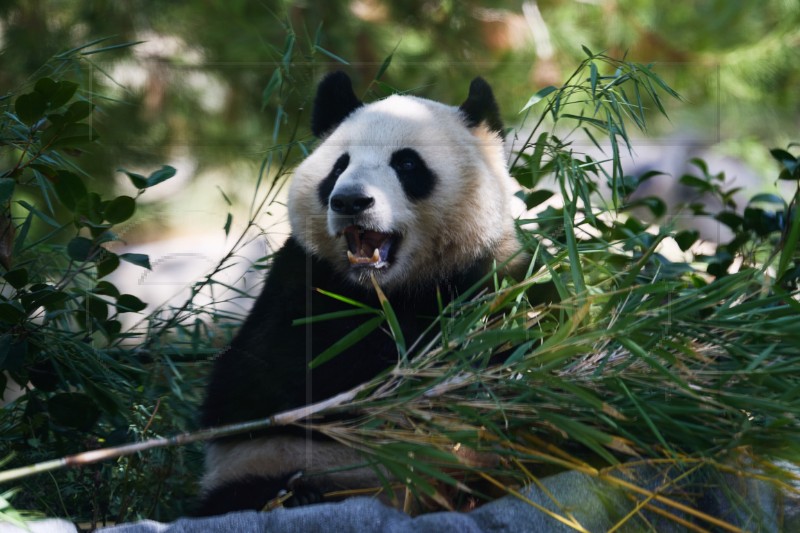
(538, 97)
(333, 56)
(391, 319)
(161, 175)
(768, 198)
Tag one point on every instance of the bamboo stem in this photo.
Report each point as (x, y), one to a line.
(94, 456)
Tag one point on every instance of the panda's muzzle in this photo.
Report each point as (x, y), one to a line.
(367, 248)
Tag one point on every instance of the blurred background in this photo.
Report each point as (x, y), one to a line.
(221, 91)
(214, 88)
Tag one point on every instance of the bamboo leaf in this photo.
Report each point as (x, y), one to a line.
(787, 254)
(347, 341)
(274, 82)
(540, 95)
(332, 316)
(391, 319)
(386, 63)
(344, 299)
(331, 55)
(109, 48)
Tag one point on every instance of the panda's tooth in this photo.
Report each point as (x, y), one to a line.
(376, 256)
(352, 258)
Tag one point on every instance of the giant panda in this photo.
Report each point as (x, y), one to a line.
(411, 192)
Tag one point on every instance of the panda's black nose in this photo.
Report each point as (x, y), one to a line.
(351, 203)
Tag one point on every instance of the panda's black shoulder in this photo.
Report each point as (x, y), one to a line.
(289, 254)
(266, 349)
(289, 263)
(285, 286)
(292, 272)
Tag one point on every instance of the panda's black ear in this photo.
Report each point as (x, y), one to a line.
(481, 107)
(334, 101)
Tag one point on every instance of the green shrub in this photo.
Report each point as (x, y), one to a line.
(86, 382)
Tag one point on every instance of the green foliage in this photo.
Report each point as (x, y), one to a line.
(650, 326)
(764, 234)
(88, 378)
(62, 294)
(671, 360)
(734, 60)
(10, 515)
(84, 381)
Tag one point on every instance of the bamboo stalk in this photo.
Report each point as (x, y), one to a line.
(103, 454)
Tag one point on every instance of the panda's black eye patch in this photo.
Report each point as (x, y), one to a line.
(415, 177)
(326, 186)
(341, 165)
(405, 164)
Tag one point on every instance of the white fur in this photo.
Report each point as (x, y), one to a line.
(466, 217)
(280, 455)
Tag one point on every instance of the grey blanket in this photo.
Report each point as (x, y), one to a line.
(563, 498)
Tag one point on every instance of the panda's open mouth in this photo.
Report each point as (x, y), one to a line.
(367, 248)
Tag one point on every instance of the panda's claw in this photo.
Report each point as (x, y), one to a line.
(301, 493)
(303, 497)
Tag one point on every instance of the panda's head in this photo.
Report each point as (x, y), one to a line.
(405, 188)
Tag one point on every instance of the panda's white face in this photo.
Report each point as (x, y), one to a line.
(403, 189)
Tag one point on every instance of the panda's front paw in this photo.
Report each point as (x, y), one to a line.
(299, 492)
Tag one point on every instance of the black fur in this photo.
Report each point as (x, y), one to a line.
(481, 107)
(417, 179)
(265, 369)
(253, 493)
(351, 201)
(335, 100)
(325, 187)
